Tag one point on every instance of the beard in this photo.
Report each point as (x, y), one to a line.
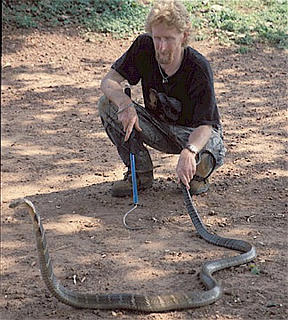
(166, 58)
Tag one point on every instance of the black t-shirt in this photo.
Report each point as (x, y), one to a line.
(192, 84)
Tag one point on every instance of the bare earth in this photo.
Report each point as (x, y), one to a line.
(56, 153)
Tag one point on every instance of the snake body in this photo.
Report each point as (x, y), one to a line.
(144, 303)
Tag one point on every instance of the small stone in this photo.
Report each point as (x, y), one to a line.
(272, 304)
(212, 213)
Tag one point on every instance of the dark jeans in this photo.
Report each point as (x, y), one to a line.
(165, 137)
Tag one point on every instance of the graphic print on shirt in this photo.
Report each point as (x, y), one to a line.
(167, 109)
(152, 99)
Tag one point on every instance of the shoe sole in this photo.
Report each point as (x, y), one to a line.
(200, 191)
(126, 193)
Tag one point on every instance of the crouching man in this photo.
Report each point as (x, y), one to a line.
(180, 114)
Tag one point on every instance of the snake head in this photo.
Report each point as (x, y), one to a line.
(17, 202)
(21, 201)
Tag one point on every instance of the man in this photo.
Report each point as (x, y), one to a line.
(180, 114)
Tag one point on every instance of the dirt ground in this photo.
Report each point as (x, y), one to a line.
(56, 153)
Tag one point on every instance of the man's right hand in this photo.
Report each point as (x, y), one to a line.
(111, 87)
(129, 120)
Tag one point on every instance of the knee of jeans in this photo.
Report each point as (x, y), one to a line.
(104, 106)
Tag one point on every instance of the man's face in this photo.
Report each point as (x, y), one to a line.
(167, 42)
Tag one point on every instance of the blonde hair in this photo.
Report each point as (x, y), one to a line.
(171, 12)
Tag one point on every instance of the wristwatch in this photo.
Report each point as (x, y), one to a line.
(192, 148)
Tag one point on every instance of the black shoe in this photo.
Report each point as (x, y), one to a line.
(199, 187)
(200, 184)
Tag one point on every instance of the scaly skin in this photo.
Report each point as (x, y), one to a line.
(144, 303)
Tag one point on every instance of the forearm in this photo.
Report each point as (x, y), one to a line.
(111, 87)
(200, 136)
(113, 91)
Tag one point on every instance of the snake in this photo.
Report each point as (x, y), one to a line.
(141, 302)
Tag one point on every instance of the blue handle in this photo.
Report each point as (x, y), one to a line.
(134, 181)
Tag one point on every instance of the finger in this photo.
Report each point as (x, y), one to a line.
(125, 125)
(184, 180)
(128, 132)
(186, 183)
(127, 136)
(137, 126)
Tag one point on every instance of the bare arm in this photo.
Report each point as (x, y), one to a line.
(186, 166)
(111, 87)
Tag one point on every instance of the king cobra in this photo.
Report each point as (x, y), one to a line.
(136, 302)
